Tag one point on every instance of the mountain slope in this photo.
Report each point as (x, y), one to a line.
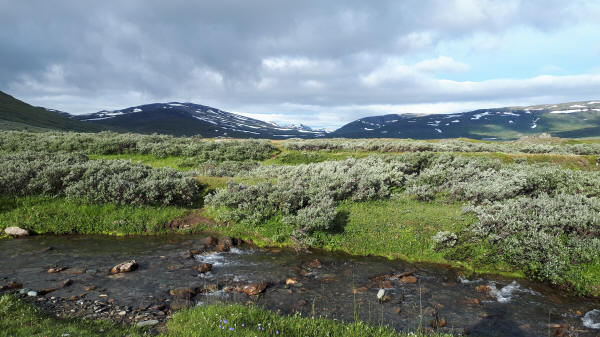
(577, 119)
(18, 115)
(191, 119)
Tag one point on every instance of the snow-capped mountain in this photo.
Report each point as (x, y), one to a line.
(191, 119)
(577, 119)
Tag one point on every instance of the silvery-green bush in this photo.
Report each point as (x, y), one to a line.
(306, 195)
(449, 145)
(545, 234)
(123, 143)
(100, 181)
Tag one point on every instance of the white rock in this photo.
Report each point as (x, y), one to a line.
(32, 293)
(16, 232)
(380, 294)
(147, 323)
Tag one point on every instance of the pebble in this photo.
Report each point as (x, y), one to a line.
(32, 293)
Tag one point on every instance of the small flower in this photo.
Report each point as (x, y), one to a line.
(231, 329)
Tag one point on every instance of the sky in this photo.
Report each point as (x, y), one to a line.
(320, 63)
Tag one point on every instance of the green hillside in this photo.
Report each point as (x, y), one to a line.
(18, 115)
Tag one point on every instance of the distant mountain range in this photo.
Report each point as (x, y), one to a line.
(577, 119)
(190, 119)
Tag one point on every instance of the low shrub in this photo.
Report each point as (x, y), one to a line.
(99, 181)
(545, 235)
(123, 143)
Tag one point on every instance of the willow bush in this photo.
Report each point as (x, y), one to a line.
(99, 181)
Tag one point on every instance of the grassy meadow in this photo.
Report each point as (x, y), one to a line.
(483, 207)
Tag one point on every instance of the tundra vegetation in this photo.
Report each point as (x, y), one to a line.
(526, 208)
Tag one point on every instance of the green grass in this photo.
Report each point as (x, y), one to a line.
(205, 321)
(398, 229)
(292, 157)
(148, 159)
(18, 318)
(58, 215)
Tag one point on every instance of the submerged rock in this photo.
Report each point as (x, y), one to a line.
(183, 292)
(203, 268)
(314, 264)
(124, 267)
(16, 232)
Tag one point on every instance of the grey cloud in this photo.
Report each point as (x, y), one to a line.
(83, 56)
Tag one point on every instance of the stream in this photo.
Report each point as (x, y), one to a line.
(332, 285)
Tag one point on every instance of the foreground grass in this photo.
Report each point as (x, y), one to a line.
(60, 216)
(21, 319)
(18, 318)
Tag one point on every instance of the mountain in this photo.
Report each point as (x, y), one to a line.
(191, 119)
(18, 115)
(576, 119)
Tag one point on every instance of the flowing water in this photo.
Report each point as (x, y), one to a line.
(509, 308)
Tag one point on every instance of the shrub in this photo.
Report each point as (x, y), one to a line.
(103, 181)
(545, 235)
(122, 143)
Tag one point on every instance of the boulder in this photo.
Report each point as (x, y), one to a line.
(124, 267)
(314, 264)
(203, 268)
(183, 292)
(147, 323)
(210, 241)
(408, 279)
(16, 232)
(252, 289)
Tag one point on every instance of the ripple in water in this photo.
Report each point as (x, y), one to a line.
(505, 294)
(592, 319)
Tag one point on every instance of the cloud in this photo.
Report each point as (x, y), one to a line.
(319, 61)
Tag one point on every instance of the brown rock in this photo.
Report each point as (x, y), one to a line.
(56, 269)
(252, 289)
(203, 268)
(12, 285)
(314, 264)
(211, 287)
(124, 267)
(386, 285)
(560, 330)
(291, 281)
(66, 283)
(472, 301)
(397, 310)
(16, 232)
(438, 322)
(174, 267)
(408, 279)
(89, 288)
(222, 248)
(183, 292)
(226, 241)
(360, 290)
(301, 303)
(75, 271)
(483, 289)
(210, 241)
